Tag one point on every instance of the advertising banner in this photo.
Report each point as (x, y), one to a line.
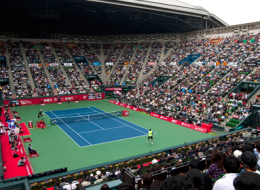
(151, 63)
(68, 64)
(173, 63)
(96, 63)
(113, 89)
(54, 99)
(109, 63)
(124, 105)
(190, 126)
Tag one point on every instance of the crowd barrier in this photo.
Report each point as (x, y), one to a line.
(190, 126)
(55, 99)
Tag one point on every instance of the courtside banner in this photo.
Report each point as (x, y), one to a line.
(190, 126)
(124, 105)
(33, 101)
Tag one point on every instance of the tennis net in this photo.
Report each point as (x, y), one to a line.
(82, 118)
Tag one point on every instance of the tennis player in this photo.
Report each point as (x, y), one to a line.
(150, 136)
(40, 115)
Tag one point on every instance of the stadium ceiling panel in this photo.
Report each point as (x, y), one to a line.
(32, 18)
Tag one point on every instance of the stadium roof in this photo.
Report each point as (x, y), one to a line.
(104, 17)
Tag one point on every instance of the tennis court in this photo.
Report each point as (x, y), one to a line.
(91, 126)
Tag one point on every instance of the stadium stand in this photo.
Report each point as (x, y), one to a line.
(210, 76)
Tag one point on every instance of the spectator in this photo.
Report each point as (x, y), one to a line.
(31, 151)
(249, 161)
(92, 178)
(247, 181)
(147, 181)
(70, 186)
(154, 161)
(125, 186)
(231, 165)
(62, 182)
(258, 151)
(155, 185)
(21, 162)
(104, 187)
(98, 180)
(216, 168)
(86, 182)
(178, 182)
(58, 186)
(194, 164)
(197, 178)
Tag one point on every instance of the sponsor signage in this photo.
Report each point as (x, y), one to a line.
(152, 63)
(124, 105)
(113, 89)
(33, 101)
(190, 126)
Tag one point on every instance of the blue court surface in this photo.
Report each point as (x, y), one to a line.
(93, 132)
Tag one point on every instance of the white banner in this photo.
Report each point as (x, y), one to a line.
(198, 63)
(54, 64)
(234, 64)
(212, 63)
(68, 64)
(173, 63)
(33, 65)
(163, 63)
(109, 63)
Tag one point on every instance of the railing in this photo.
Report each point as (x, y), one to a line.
(60, 175)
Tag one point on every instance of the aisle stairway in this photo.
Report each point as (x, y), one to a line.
(44, 67)
(142, 76)
(27, 67)
(76, 65)
(11, 81)
(106, 77)
(60, 66)
(128, 66)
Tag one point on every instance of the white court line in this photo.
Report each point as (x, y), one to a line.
(73, 108)
(91, 121)
(66, 133)
(115, 140)
(123, 119)
(103, 129)
(73, 113)
(72, 129)
(124, 123)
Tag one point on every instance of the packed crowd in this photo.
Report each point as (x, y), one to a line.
(232, 165)
(228, 164)
(125, 59)
(71, 70)
(113, 56)
(41, 82)
(197, 92)
(55, 72)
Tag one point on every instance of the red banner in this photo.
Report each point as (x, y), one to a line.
(113, 89)
(124, 105)
(151, 63)
(190, 126)
(28, 166)
(32, 101)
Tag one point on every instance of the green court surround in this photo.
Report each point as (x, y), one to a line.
(57, 150)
